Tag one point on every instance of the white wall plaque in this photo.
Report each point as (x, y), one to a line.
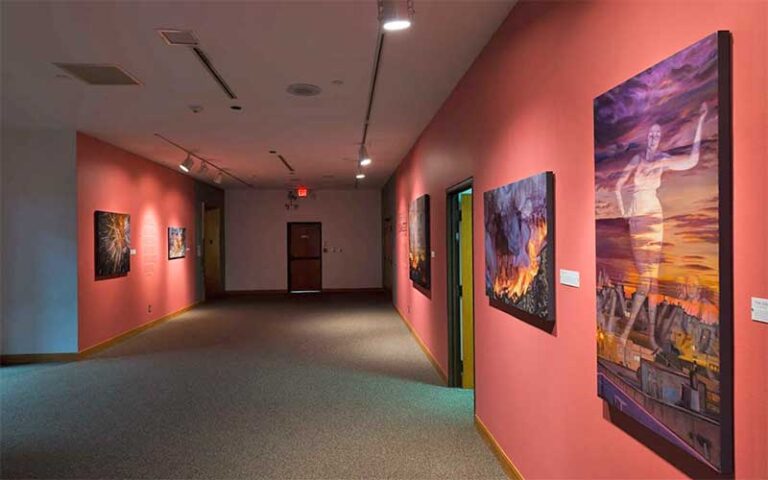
(572, 278)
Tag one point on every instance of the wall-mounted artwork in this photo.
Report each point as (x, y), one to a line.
(520, 249)
(418, 241)
(177, 242)
(663, 237)
(113, 244)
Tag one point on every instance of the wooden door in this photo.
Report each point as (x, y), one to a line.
(305, 272)
(467, 305)
(212, 252)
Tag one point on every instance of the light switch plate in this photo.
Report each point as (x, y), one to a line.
(760, 309)
(433, 254)
(133, 251)
(572, 278)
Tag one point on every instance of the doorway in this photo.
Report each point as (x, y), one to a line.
(305, 263)
(212, 252)
(461, 324)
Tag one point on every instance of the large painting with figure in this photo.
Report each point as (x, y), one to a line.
(177, 242)
(520, 249)
(418, 241)
(663, 229)
(113, 244)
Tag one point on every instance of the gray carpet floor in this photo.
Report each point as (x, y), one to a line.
(330, 386)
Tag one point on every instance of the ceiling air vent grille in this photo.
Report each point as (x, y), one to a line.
(94, 74)
(184, 38)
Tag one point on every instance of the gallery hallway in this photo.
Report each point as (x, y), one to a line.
(327, 386)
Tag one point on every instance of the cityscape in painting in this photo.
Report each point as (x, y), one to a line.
(418, 241)
(657, 241)
(519, 253)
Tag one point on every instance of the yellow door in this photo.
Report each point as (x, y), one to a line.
(467, 307)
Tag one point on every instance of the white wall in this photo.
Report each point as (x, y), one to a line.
(39, 241)
(257, 245)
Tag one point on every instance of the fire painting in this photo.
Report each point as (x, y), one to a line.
(519, 249)
(418, 241)
(662, 205)
(113, 244)
(177, 242)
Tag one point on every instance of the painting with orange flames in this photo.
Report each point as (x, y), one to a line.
(177, 242)
(662, 163)
(418, 241)
(519, 249)
(113, 244)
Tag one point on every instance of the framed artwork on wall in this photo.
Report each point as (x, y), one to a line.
(663, 239)
(112, 244)
(520, 249)
(418, 242)
(177, 242)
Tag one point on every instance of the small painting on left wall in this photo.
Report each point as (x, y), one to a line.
(113, 244)
(177, 242)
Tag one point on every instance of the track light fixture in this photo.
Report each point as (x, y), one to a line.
(364, 159)
(218, 178)
(203, 169)
(187, 164)
(395, 15)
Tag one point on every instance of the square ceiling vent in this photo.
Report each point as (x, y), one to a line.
(94, 74)
(184, 38)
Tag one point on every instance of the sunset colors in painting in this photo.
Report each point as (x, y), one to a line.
(418, 241)
(657, 206)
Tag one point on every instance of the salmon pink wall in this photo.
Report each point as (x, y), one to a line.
(525, 106)
(111, 179)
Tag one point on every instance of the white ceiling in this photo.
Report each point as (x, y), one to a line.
(259, 48)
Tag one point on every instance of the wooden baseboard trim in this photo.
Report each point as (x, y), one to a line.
(506, 464)
(430, 357)
(242, 293)
(26, 358)
(133, 332)
(354, 290)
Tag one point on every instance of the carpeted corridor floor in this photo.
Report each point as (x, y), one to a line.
(327, 387)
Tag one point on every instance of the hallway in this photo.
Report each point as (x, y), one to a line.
(329, 386)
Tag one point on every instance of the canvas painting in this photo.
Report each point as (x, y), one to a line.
(662, 169)
(113, 244)
(177, 242)
(418, 241)
(519, 249)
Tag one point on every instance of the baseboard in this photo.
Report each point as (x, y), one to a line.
(424, 348)
(354, 290)
(506, 464)
(133, 332)
(26, 358)
(240, 293)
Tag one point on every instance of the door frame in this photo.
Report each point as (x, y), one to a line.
(453, 213)
(288, 251)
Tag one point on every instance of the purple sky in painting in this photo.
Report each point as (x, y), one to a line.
(669, 94)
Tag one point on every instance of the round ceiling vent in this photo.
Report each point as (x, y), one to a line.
(303, 89)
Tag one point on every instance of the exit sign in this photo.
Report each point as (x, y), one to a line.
(302, 192)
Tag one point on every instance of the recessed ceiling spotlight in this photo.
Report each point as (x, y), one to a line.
(187, 164)
(303, 89)
(273, 152)
(360, 176)
(395, 15)
(196, 108)
(236, 107)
